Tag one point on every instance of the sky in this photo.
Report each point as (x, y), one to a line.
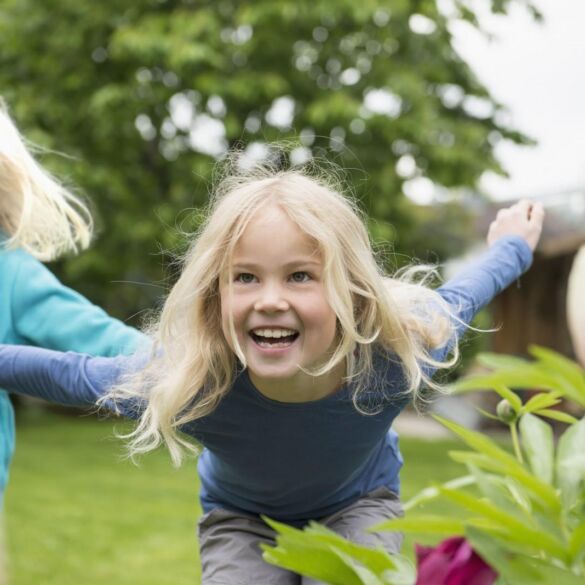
(538, 72)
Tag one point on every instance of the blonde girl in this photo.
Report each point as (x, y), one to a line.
(41, 220)
(286, 353)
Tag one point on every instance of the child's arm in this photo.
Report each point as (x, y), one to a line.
(512, 238)
(71, 379)
(48, 314)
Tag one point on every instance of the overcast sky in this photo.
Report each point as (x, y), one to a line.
(538, 71)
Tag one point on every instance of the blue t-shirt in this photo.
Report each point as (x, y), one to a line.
(291, 461)
(36, 309)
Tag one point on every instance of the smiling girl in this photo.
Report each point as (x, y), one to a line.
(287, 353)
(275, 310)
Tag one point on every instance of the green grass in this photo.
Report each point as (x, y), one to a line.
(77, 513)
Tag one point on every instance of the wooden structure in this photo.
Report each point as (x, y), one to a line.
(534, 309)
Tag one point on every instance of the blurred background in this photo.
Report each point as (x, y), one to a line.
(411, 98)
(438, 112)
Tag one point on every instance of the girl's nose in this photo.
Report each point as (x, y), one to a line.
(270, 299)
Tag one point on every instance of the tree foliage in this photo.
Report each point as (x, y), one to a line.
(145, 94)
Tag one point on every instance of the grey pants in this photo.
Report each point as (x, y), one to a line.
(229, 541)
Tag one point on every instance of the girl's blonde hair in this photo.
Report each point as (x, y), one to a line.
(37, 213)
(192, 366)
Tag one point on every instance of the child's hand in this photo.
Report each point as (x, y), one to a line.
(523, 219)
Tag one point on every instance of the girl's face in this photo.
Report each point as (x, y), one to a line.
(280, 312)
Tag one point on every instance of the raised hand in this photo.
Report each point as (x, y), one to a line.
(522, 219)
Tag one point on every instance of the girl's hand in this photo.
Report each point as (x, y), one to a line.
(523, 219)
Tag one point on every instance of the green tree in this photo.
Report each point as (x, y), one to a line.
(144, 94)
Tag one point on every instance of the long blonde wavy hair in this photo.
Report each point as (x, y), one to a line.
(37, 213)
(191, 367)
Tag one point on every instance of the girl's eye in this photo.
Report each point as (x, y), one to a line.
(300, 276)
(245, 278)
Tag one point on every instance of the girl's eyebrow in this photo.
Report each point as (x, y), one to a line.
(309, 261)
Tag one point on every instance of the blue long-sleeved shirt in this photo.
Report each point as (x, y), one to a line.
(290, 461)
(36, 309)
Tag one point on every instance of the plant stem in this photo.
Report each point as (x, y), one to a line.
(516, 442)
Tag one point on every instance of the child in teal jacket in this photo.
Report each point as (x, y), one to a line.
(40, 220)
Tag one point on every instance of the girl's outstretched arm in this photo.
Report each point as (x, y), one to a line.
(512, 238)
(71, 379)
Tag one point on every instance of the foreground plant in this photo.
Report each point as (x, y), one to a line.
(526, 511)
(319, 553)
(523, 511)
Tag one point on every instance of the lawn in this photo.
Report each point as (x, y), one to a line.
(77, 513)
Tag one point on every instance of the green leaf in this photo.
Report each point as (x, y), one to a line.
(429, 524)
(519, 494)
(487, 414)
(404, 574)
(497, 361)
(377, 559)
(515, 529)
(572, 371)
(308, 554)
(432, 492)
(510, 396)
(503, 461)
(518, 569)
(495, 489)
(537, 442)
(577, 543)
(526, 377)
(477, 441)
(539, 489)
(557, 415)
(570, 464)
(322, 554)
(325, 565)
(473, 383)
(542, 400)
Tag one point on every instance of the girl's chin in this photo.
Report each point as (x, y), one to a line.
(261, 372)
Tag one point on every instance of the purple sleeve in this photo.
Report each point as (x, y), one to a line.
(475, 287)
(71, 379)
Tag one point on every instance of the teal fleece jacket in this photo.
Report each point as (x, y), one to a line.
(36, 309)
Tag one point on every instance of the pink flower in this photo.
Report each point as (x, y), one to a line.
(452, 562)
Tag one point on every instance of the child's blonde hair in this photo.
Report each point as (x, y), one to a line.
(192, 366)
(37, 213)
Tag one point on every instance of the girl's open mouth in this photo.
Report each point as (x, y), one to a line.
(274, 338)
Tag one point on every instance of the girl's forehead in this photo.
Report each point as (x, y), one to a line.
(268, 215)
(274, 224)
(271, 233)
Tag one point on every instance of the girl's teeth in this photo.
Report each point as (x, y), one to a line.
(274, 338)
(274, 332)
(277, 344)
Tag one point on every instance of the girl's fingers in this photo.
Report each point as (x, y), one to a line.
(537, 212)
(524, 207)
(524, 219)
(533, 212)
